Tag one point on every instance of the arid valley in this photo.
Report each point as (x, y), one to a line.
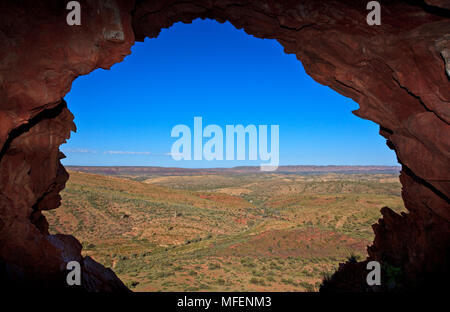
(171, 229)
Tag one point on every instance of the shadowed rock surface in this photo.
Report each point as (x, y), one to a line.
(398, 73)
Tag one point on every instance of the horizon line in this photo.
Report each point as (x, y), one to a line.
(235, 167)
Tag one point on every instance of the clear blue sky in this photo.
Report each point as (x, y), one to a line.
(125, 115)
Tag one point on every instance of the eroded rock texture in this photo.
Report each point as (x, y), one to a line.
(398, 72)
(40, 57)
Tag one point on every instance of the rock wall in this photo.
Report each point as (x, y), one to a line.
(398, 72)
(40, 57)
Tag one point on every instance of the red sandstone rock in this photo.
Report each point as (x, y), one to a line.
(397, 72)
(445, 4)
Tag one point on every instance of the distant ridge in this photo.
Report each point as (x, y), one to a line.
(163, 171)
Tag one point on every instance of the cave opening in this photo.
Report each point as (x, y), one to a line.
(184, 225)
(396, 72)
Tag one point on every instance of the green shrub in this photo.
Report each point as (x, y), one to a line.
(132, 284)
(213, 266)
(220, 281)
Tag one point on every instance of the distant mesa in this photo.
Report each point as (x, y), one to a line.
(297, 169)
